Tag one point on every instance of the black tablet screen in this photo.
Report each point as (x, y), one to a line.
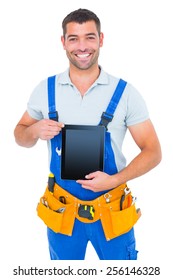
(82, 150)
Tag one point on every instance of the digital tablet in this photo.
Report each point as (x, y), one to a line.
(82, 150)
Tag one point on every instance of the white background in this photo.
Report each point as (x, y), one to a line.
(138, 48)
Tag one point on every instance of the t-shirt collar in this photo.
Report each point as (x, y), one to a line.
(64, 78)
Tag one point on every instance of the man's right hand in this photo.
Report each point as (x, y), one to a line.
(47, 129)
(29, 130)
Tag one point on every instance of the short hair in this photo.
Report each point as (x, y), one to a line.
(80, 16)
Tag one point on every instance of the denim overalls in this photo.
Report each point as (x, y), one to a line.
(73, 247)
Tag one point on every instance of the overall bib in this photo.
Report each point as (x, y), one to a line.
(73, 247)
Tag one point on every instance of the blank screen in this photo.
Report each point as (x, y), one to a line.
(82, 151)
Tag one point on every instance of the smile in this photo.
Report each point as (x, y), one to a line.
(83, 55)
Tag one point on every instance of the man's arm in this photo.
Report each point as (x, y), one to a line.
(146, 139)
(29, 130)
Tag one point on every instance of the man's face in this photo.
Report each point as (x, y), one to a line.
(82, 43)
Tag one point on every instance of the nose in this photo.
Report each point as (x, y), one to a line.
(82, 45)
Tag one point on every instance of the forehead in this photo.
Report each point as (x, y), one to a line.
(81, 29)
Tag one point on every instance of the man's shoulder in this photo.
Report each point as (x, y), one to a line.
(110, 78)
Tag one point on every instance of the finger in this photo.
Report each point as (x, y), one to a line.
(89, 178)
(82, 182)
(87, 187)
(54, 129)
(56, 124)
(61, 125)
(86, 183)
(91, 175)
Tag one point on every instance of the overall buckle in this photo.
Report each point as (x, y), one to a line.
(106, 119)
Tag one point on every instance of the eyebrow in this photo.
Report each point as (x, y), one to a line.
(88, 34)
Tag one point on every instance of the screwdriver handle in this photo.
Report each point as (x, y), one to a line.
(51, 182)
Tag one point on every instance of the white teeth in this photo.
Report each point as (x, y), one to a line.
(83, 55)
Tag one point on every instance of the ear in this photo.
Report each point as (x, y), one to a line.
(101, 39)
(63, 41)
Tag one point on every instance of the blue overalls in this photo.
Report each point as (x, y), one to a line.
(73, 247)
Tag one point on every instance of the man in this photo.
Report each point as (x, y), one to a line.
(82, 94)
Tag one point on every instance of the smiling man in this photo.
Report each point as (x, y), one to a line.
(82, 42)
(82, 48)
(100, 207)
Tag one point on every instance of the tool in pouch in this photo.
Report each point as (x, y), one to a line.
(51, 184)
(127, 192)
(125, 196)
(131, 200)
(86, 211)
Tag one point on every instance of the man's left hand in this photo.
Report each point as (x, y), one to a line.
(97, 181)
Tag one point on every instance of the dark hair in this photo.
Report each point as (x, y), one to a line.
(81, 16)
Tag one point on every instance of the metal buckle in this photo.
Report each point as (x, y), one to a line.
(107, 197)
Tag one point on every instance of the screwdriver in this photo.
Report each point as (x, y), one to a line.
(51, 182)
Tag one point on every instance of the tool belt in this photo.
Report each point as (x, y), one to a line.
(116, 209)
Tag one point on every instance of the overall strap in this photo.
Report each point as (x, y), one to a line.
(53, 114)
(107, 116)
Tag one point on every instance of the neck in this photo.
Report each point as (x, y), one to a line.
(83, 79)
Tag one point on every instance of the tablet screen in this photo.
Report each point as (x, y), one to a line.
(82, 150)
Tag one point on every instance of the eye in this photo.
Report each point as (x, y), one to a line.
(72, 39)
(91, 38)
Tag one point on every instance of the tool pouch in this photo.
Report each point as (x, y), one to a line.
(51, 218)
(52, 215)
(116, 222)
(123, 221)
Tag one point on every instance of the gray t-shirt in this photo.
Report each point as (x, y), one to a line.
(87, 110)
